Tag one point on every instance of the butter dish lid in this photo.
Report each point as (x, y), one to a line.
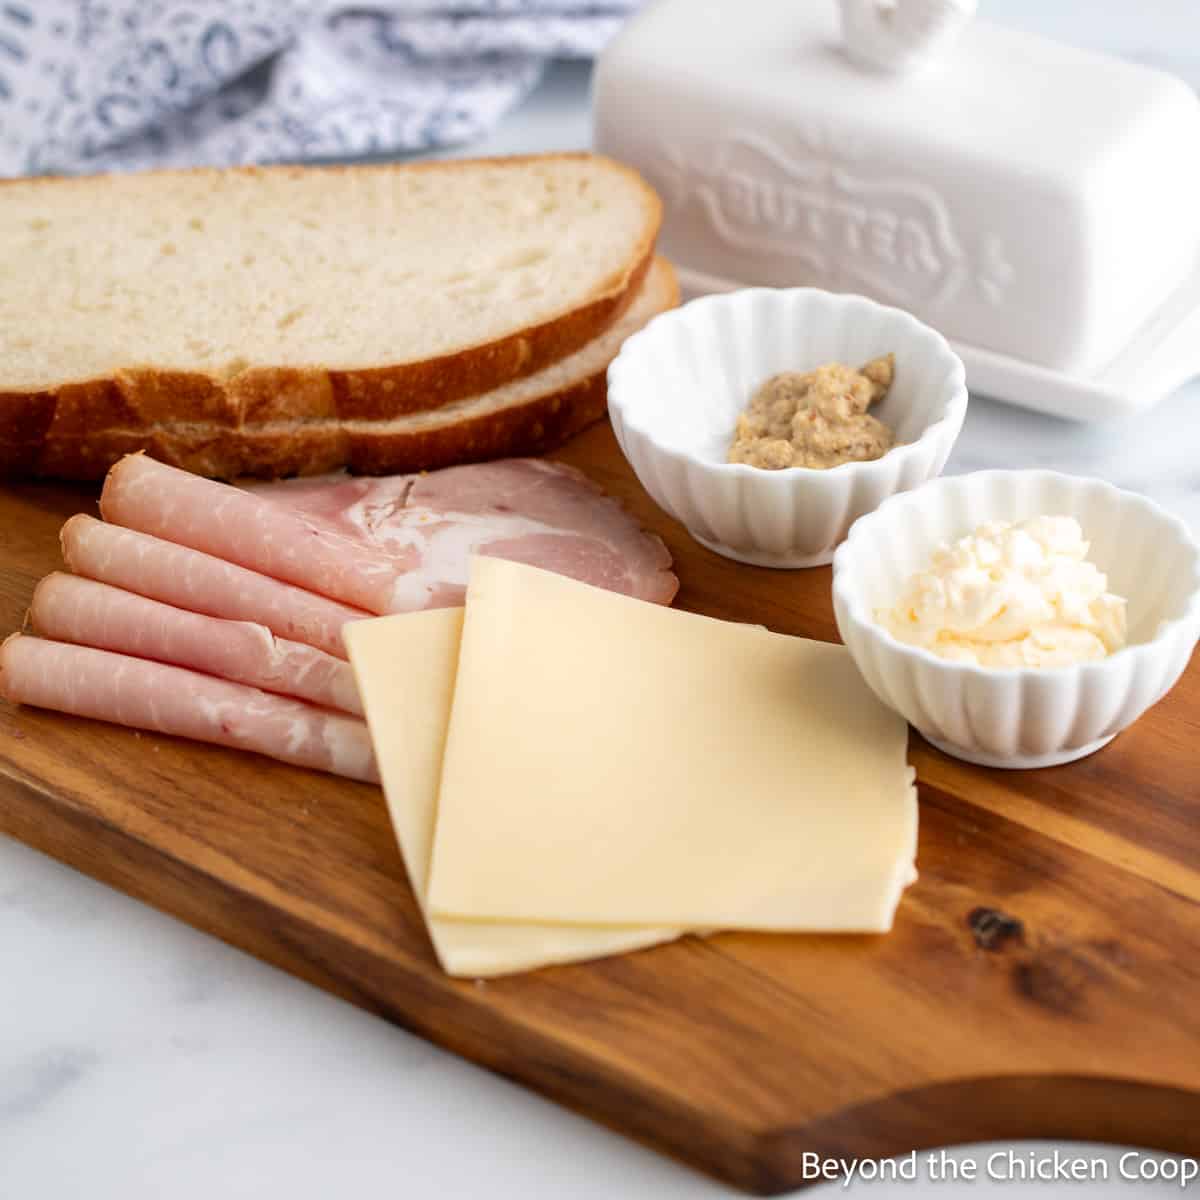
(1028, 199)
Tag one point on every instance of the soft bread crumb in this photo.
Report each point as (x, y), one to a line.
(338, 269)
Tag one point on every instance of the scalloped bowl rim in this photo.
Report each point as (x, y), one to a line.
(844, 584)
(947, 424)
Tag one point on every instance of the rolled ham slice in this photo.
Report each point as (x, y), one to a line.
(164, 699)
(201, 583)
(241, 528)
(67, 608)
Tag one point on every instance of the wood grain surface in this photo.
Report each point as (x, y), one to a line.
(1043, 978)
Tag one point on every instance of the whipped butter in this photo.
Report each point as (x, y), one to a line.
(1008, 595)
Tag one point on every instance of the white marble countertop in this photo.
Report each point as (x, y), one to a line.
(140, 1059)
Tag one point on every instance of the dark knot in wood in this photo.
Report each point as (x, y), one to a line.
(992, 929)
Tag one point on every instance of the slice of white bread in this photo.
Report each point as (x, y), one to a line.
(275, 293)
(528, 416)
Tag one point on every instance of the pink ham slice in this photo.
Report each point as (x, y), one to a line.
(67, 608)
(400, 543)
(164, 699)
(229, 523)
(528, 510)
(200, 583)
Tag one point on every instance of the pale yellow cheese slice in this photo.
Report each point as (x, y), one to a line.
(612, 761)
(405, 669)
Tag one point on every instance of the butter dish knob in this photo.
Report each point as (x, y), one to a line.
(900, 35)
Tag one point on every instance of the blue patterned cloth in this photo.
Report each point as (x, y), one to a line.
(100, 85)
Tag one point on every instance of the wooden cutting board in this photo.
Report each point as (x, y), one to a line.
(1043, 978)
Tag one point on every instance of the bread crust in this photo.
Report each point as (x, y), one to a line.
(539, 425)
(534, 426)
(139, 398)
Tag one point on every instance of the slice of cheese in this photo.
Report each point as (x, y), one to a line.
(405, 668)
(611, 761)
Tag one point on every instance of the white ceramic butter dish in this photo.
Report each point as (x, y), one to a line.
(676, 388)
(1022, 716)
(1030, 200)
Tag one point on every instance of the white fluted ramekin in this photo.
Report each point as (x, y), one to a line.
(1022, 716)
(677, 387)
